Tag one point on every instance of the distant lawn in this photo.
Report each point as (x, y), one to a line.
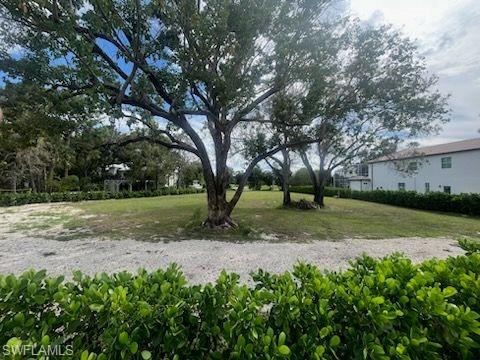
(261, 216)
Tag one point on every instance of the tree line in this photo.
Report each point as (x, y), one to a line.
(49, 144)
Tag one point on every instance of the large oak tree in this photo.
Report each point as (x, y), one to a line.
(179, 62)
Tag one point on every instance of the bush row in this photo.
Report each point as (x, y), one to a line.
(377, 309)
(32, 198)
(468, 204)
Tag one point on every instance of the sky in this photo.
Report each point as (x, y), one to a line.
(448, 36)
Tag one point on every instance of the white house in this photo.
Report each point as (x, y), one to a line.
(172, 179)
(452, 168)
(117, 169)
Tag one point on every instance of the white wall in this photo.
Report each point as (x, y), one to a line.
(463, 176)
(360, 185)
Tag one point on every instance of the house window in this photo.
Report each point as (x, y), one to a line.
(427, 187)
(446, 162)
(401, 186)
(447, 189)
(413, 166)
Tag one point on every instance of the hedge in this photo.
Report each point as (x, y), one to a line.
(470, 245)
(33, 198)
(377, 309)
(468, 204)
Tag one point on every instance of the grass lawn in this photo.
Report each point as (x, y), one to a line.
(174, 217)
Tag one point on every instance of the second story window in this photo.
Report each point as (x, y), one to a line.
(413, 166)
(401, 186)
(446, 162)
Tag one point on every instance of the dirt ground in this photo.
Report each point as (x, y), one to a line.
(27, 240)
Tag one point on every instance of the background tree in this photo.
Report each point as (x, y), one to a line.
(256, 179)
(373, 93)
(36, 132)
(301, 177)
(281, 125)
(149, 162)
(189, 172)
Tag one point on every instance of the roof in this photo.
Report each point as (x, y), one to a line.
(120, 167)
(457, 146)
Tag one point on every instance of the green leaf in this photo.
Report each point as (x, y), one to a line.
(378, 300)
(267, 340)
(320, 350)
(133, 347)
(400, 349)
(45, 340)
(418, 341)
(14, 342)
(284, 350)
(123, 338)
(146, 355)
(449, 291)
(335, 341)
(281, 338)
(165, 288)
(96, 307)
(19, 318)
(324, 332)
(84, 355)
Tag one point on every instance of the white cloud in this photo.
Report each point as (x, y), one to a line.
(448, 35)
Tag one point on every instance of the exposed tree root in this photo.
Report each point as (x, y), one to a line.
(303, 204)
(225, 224)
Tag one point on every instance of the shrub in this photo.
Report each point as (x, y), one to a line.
(377, 309)
(70, 183)
(469, 245)
(31, 198)
(468, 204)
(303, 204)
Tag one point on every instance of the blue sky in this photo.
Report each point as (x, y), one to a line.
(448, 35)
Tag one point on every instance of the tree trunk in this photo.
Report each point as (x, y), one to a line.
(284, 179)
(14, 178)
(218, 213)
(319, 191)
(66, 162)
(287, 199)
(218, 207)
(317, 183)
(14, 184)
(283, 174)
(323, 176)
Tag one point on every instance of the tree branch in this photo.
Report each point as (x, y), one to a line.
(246, 110)
(259, 158)
(151, 140)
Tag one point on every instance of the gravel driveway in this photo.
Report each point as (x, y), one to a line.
(201, 260)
